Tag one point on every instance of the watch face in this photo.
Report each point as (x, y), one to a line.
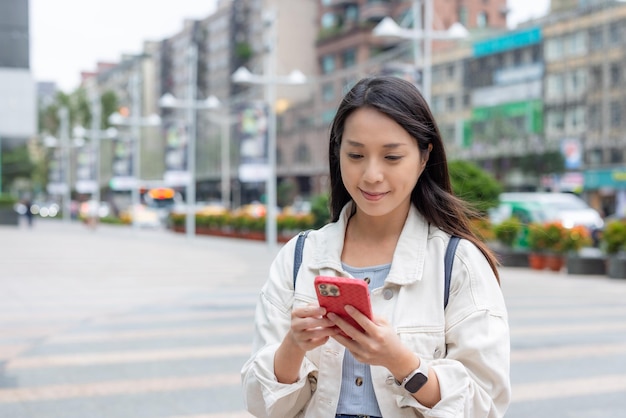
(416, 382)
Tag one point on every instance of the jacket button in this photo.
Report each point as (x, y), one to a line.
(388, 294)
(358, 381)
(437, 353)
(390, 380)
(367, 280)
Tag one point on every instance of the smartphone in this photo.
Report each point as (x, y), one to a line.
(334, 293)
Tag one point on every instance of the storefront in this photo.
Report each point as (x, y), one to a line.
(606, 189)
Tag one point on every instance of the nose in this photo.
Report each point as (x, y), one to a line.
(373, 172)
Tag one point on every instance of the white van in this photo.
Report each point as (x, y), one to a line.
(567, 208)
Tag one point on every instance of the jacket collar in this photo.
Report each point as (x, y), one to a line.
(407, 265)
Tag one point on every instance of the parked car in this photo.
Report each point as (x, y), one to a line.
(567, 208)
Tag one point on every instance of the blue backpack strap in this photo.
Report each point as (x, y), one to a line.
(297, 257)
(448, 261)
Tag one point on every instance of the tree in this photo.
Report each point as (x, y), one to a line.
(474, 185)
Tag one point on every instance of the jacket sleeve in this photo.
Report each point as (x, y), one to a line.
(264, 396)
(474, 377)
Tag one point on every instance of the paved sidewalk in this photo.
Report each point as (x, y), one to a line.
(117, 323)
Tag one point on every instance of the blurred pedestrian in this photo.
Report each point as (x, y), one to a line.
(28, 212)
(393, 213)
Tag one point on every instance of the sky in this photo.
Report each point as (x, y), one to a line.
(70, 36)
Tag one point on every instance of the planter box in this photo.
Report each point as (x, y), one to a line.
(511, 258)
(616, 266)
(8, 216)
(577, 264)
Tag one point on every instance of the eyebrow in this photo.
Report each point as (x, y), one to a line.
(360, 145)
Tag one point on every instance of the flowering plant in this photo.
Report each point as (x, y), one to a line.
(547, 237)
(576, 238)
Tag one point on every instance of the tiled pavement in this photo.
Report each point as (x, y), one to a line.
(145, 324)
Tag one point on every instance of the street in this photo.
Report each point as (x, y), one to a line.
(119, 323)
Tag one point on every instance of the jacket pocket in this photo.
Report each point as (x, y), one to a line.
(427, 343)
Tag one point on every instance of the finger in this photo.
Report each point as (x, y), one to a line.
(309, 311)
(344, 325)
(365, 323)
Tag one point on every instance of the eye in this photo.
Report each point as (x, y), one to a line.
(354, 156)
(393, 157)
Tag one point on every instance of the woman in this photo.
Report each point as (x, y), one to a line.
(393, 213)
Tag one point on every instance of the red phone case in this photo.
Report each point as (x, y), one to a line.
(333, 293)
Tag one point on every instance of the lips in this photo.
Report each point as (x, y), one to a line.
(371, 196)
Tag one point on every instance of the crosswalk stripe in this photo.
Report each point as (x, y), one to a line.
(567, 328)
(151, 334)
(567, 388)
(120, 387)
(566, 352)
(139, 356)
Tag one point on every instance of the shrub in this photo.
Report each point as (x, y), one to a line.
(576, 238)
(613, 237)
(547, 237)
(508, 230)
(483, 229)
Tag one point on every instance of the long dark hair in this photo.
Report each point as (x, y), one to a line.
(432, 196)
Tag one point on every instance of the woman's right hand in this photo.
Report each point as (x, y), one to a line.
(310, 328)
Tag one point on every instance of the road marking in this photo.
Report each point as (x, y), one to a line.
(121, 387)
(567, 388)
(566, 352)
(151, 334)
(560, 329)
(140, 356)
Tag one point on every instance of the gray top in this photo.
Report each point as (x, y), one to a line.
(357, 392)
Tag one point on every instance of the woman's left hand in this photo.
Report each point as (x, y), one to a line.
(378, 344)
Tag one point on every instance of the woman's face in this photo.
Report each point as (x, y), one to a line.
(380, 163)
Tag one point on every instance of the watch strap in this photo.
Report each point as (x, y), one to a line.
(416, 379)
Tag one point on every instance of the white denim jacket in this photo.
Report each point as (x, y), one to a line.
(468, 347)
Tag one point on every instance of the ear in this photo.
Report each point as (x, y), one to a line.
(426, 155)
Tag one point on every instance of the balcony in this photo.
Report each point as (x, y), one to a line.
(374, 11)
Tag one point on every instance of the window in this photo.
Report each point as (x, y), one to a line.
(463, 15)
(328, 92)
(450, 103)
(555, 86)
(352, 14)
(616, 75)
(593, 120)
(595, 39)
(329, 20)
(596, 77)
(615, 30)
(302, 154)
(349, 58)
(328, 64)
(616, 114)
(481, 19)
(450, 71)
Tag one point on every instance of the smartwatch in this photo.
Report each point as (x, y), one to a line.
(416, 379)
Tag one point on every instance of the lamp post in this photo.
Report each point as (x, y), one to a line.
(96, 135)
(224, 120)
(192, 105)
(135, 122)
(390, 29)
(63, 187)
(270, 80)
(242, 75)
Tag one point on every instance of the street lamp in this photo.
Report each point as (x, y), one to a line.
(135, 122)
(96, 135)
(244, 76)
(192, 105)
(390, 29)
(65, 145)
